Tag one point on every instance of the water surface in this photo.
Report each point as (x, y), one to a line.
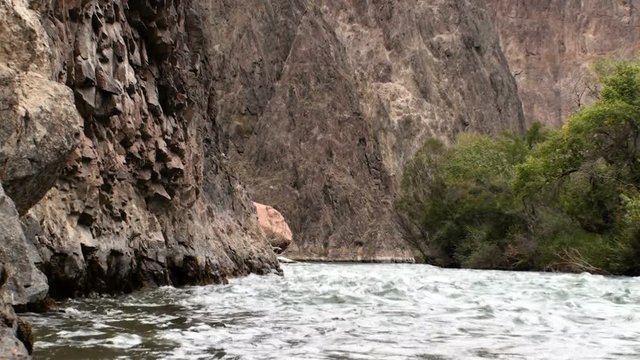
(357, 311)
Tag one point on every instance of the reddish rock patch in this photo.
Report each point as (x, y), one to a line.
(274, 226)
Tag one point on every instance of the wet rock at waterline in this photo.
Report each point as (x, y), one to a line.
(21, 283)
(11, 347)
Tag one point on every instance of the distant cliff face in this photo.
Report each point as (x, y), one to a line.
(322, 103)
(130, 114)
(550, 45)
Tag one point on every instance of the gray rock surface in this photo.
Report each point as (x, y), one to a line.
(322, 102)
(10, 346)
(40, 127)
(551, 44)
(21, 282)
(147, 197)
(40, 124)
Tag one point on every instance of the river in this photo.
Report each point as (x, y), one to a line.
(357, 311)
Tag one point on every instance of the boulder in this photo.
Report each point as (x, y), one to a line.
(10, 346)
(40, 123)
(274, 226)
(40, 128)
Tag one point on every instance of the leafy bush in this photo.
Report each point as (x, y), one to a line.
(566, 200)
(462, 199)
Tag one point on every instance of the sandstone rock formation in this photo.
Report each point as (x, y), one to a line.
(274, 226)
(322, 102)
(22, 283)
(550, 45)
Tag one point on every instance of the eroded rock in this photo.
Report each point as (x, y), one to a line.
(551, 45)
(322, 103)
(147, 197)
(275, 227)
(40, 128)
(21, 283)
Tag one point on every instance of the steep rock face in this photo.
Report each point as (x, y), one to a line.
(147, 197)
(325, 101)
(40, 124)
(21, 282)
(40, 127)
(550, 45)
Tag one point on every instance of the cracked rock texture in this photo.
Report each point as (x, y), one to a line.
(322, 103)
(551, 44)
(21, 282)
(147, 197)
(109, 152)
(40, 127)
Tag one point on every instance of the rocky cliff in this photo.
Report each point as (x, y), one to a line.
(551, 44)
(146, 197)
(322, 102)
(109, 152)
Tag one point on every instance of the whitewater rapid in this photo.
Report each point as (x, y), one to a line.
(357, 311)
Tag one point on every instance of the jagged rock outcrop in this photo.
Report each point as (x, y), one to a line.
(33, 147)
(147, 197)
(323, 102)
(40, 127)
(21, 282)
(111, 103)
(274, 226)
(550, 45)
(12, 345)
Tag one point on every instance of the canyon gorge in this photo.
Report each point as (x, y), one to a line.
(136, 134)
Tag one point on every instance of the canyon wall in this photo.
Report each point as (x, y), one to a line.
(322, 102)
(113, 173)
(551, 45)
(146, 198)
(131, 128)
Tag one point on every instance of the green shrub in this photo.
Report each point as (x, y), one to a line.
(461, 197)
(551, 200)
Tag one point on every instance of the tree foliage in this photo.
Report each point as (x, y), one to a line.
(567, 199)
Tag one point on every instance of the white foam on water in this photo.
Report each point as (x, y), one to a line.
(123, 341)
(364, 311)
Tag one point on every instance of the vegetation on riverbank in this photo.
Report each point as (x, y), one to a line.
(562, 200)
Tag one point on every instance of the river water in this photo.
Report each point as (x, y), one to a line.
(357, 311)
